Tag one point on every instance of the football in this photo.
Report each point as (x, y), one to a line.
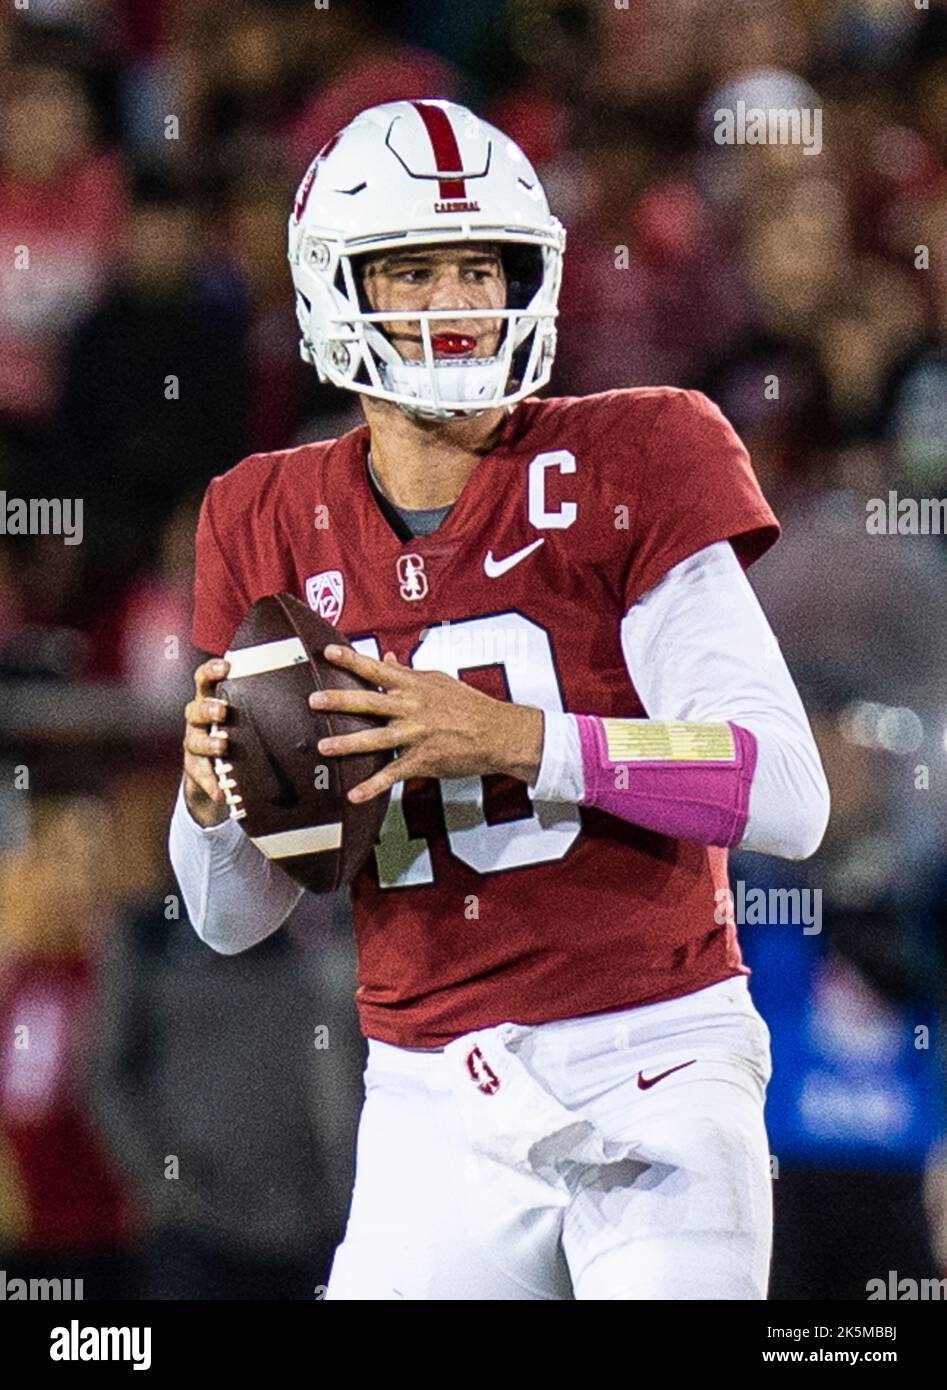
(289, 799)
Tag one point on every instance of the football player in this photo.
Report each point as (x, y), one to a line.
(566, 1072)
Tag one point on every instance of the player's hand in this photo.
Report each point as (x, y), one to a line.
(440, 726)
(206, 802)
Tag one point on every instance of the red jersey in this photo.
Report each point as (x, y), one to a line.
(480, 906)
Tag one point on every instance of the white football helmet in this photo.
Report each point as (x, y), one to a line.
(421, 173)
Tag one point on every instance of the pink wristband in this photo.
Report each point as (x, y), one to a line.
(705, 798)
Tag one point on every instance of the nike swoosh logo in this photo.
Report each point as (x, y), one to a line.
(645, 1083)
(494, 568)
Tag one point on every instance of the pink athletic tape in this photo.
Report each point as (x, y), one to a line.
(707, 802)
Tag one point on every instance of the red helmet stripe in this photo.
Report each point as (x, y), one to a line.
(447, 156)
(309, 180)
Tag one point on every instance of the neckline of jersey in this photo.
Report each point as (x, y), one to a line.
(476, 492)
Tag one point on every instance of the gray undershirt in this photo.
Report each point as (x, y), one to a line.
(422, 521)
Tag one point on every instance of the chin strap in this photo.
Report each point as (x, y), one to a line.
(472, 381)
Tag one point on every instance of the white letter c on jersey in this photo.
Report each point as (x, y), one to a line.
(538, 515)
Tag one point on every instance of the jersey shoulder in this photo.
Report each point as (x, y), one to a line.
(255, 485)
(660, 473)
(635, 409)
(632, 427)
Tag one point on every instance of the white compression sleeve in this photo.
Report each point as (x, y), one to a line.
(234, 895)
(698, 647)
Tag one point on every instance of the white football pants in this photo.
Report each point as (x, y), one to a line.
(613, 1156)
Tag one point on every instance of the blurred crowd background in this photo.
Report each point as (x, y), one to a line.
(176, 1127)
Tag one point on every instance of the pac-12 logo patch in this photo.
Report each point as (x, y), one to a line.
(325, 593)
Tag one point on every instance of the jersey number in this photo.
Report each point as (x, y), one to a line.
(522, 648)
